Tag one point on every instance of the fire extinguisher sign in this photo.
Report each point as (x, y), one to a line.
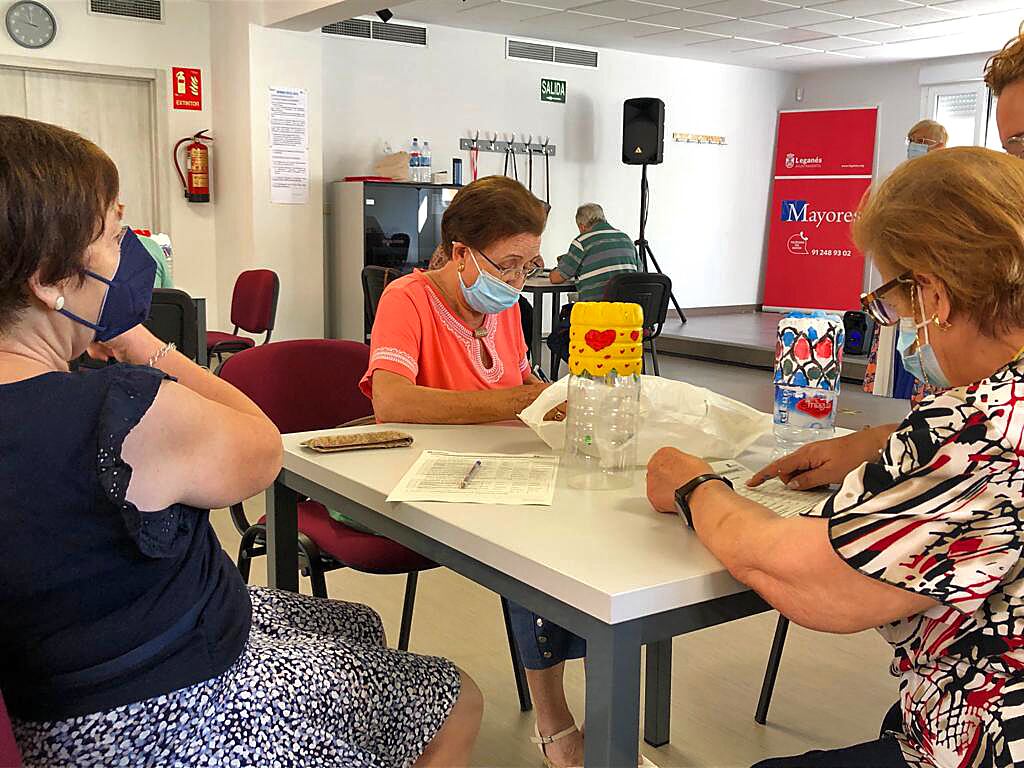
(187, 87)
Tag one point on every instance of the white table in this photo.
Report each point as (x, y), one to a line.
(600, 564)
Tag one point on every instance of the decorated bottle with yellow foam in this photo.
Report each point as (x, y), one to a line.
(605, 361)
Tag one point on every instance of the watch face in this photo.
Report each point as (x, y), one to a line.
(30, 24)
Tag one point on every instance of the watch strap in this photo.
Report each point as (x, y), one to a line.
(684, 492)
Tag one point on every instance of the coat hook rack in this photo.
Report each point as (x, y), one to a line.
(496, 145)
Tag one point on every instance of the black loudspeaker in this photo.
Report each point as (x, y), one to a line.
(860, 333)
(643, 131)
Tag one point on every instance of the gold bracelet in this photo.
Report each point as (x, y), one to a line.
(164, 351)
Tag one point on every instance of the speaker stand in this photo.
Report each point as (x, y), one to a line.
(643, 248)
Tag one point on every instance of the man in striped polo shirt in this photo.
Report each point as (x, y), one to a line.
(594, 258)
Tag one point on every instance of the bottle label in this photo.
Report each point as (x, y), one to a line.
(797, 406)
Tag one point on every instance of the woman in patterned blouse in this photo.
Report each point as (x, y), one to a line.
(924, 540)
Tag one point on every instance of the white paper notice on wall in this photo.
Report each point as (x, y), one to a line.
(289, 176)
(289, 118)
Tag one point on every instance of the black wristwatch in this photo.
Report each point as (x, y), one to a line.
(683, 494)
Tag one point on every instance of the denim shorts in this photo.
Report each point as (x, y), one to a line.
(542, 644)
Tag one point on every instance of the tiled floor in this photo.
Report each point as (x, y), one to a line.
(832, 690)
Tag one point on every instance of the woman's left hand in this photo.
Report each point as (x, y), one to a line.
(667, 470)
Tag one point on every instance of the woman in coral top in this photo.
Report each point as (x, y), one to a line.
(447, 345)
(447, 348)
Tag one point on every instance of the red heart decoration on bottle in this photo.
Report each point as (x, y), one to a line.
(598, 340)
(634, 335)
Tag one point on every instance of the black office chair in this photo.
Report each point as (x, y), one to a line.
(652, 292)
(375, 280)
(173, 317)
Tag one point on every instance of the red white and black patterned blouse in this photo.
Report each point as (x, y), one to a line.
(940, 514)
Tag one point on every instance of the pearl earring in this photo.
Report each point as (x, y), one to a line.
(58, 305)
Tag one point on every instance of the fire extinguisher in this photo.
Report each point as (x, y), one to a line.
(195, 179)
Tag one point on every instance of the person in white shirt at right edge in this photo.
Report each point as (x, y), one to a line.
(924, 537)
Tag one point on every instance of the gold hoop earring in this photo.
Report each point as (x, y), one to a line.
(942, 325)
(462, 267)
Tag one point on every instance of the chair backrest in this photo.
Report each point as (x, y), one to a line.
(254, 301)
(10, 756)
(650, 290)
(375, 280)
(173, 317)
(304, 384)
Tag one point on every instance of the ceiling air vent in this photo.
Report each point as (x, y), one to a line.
(148, 10)
(400, 33)
(350, 28)
(368, 29)
(520, 49)
(553, 54)
(578, 57)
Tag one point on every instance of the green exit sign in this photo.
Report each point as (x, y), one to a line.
(552, 90)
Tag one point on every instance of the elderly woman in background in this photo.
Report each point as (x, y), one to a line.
(923, 539)
(127, 635)
(926, 136)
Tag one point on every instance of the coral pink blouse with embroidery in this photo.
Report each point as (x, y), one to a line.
(417, 335)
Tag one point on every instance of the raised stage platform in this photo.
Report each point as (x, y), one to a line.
(740, 339)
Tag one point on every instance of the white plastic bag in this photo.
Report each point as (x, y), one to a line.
(674, 413)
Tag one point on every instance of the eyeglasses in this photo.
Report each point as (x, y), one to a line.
(877, 307)
(1015, 146)
(515, 274)
(927, 142)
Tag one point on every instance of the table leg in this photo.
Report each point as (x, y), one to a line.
(658, 693)
(613, 698)
(282, 537)
(556, 308)
(536, 348)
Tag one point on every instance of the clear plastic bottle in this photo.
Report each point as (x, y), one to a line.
(803, 415)
(605, 358)
(601, 429)
(426, 172)
(808, 368)
(414, 160)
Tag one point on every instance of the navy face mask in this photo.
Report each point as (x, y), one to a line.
(129, 291)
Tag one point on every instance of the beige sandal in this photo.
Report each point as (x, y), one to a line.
(543, 741)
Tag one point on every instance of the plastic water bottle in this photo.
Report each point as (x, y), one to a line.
(425, 169)
(803, 415)
(605, 358)
(808, 367)
(414, 160)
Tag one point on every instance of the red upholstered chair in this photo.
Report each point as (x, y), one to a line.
(253, 309)
(10, 757)
(314, 384)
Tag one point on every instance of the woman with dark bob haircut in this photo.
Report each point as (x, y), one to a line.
(126, 634)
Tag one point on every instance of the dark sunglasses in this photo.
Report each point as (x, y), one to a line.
(877, 307)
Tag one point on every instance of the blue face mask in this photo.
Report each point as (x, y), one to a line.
(129, 292)
(916, 149)
(922, 364)
(488, 294)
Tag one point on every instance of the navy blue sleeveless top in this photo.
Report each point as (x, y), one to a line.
(100, 605)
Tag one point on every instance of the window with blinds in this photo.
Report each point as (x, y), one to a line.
(958, 112)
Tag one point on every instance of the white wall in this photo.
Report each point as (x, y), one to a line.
(708, 204)
(183, 39)
(895, 88)
(251, 232)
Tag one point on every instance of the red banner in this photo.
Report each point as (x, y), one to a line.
(187, 88)
(824, 162)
